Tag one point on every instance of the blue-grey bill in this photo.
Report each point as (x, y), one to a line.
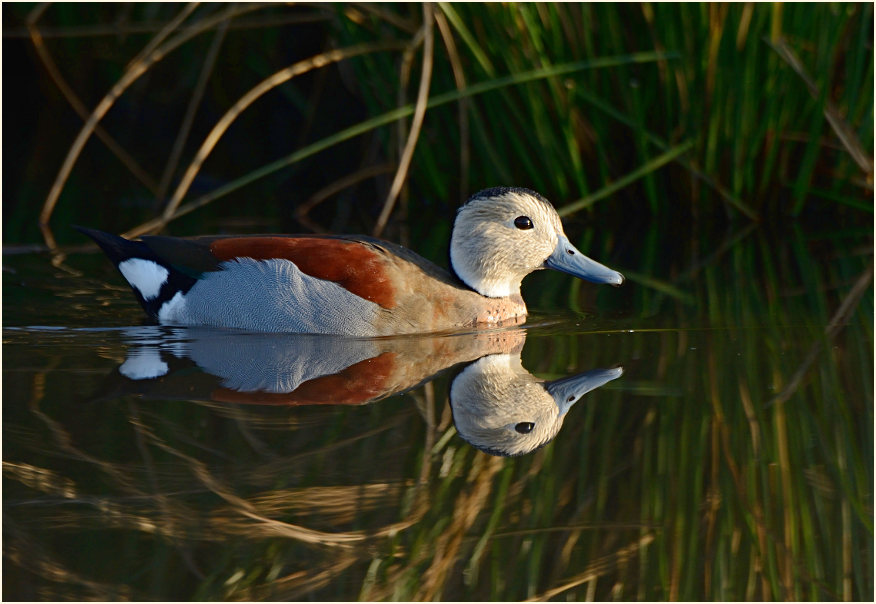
(567, 391)
(569, 259)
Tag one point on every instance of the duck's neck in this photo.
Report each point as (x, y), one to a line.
(494, 288)
(473, 275)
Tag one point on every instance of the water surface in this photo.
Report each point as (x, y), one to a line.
(727, 454)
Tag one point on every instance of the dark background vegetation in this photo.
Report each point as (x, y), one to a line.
(764, 145)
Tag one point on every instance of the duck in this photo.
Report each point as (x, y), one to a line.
(355, 285)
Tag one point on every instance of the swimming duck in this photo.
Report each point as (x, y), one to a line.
(355, 285)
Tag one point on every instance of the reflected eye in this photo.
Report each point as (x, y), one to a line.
(524, 427)
(523, 223)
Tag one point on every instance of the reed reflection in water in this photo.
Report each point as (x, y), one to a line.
(732, 460)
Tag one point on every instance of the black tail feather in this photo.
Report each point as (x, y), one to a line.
(118, 248)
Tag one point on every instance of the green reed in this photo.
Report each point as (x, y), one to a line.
(725, 84)
(709, 110)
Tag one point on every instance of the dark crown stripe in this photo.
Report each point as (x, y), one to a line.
(500, 191)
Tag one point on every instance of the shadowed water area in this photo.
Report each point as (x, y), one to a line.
(722, 431)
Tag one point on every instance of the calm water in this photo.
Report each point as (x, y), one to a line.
(721, 447)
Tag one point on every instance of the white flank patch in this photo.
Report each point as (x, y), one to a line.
(174, 310)
(147, 276)
(143, 365)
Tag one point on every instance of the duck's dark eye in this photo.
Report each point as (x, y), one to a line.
(523, 222)
(524, 427)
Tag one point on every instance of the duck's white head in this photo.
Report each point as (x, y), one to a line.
(503, 234)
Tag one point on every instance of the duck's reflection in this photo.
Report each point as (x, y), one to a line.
(498, 406)
(502, 409)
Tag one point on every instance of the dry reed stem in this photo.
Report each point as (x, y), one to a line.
(459, 79)
(416, 122)
(404, 78)
(264, 527)
(334, 188)
(131, 75)
(466, 511)
(744, 24)
(748, 407)
(65, 442)
(842, 130)
(721, 434)
(337, 504)
(170, 523)
(444, 552)
(267, 471)
(21, 552)
(663, 63)
(756, 509)
(162, 35)
(846, 520)
(577, 527)
(189, 118)
(171, 519)
(390, 17)
(40, 479)
(596, 569)
(788, 516)
(295, 585)
(55, 74)
(400, 127)
(168, 509)
(429, 442)
(150, 27)
(133, 72)
(713, 499)
(834, 326)
(269, 83)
